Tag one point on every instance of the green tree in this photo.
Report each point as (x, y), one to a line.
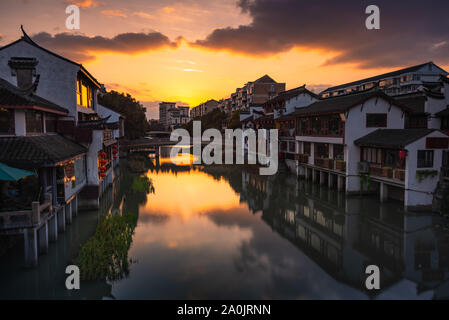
(213, 119)
(234, 122)
(136, 124)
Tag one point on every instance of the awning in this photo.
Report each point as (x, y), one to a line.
(8, 173)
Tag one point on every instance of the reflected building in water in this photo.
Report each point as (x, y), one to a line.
(343, 235)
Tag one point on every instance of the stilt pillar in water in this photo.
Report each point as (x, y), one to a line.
(53, 228)
(61, 219)
(68, 213)
(43, 238)
(30, 246)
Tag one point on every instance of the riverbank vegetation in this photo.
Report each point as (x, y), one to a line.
(136, 124)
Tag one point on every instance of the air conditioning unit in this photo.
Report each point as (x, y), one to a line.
(363, 167)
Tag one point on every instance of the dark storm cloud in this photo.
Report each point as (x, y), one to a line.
(411, 31)
(81, 47)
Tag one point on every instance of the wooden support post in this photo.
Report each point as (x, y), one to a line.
(61, 219)
(74, 204)
(35, 214)
(322, 178)
(340, 183)
(30, 246)
(330, 180)
(43, 238)
(53, 228)
(383, 192)
(68, 213)
(313, 175)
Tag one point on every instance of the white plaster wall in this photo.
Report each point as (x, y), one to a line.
(434, 106)
(92, 157)
(421, 193)
(356, 128)
(115, 116)
(57, 77)
(300, 101)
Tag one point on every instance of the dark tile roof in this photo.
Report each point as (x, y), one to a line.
(392, 138)
(13, 96)
(379, 77)
(265, 79)
(288, 94)
(38, 151)
(344, 103)
(416, 101)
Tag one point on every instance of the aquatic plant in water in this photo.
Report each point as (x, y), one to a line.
(105, 255)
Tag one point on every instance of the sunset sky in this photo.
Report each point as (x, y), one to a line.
(193, 50)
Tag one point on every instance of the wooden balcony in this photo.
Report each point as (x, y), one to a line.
(25, 218)
(340, 165)
(387, 172)
(302, 158)
(324, 163)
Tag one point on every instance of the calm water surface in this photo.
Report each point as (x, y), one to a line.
(226, 232)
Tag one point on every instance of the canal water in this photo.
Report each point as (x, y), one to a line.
(224, 232)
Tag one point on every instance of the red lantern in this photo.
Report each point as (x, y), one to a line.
(102, 169)
(102, 174)
(402, 154)
(103, 154)
(115, 157)
(114, 146)
(114, 151)
(103, 162)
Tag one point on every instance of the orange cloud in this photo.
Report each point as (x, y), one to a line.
(86, 4)
(114, 13)
(144, 15)
(168, 9)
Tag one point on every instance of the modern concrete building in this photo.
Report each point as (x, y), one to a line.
(203, 108)
(255, 93)
(393, 83)
(163, 112)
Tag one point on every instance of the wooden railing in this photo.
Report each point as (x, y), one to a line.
(26, 218)
(324, 163)
(340, 165)
(302, 158)
(387, 172)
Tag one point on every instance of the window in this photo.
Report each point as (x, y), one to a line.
(376, 120)
(338, 151)
(321, 150)
(84, 94)
(306, 148)
(372, 155)
(34, 122)
(316, 125)
(334, 126)
(6, 121)
(50, 123)
(425, 158)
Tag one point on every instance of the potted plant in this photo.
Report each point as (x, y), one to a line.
(387, 172)
(328, 163)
